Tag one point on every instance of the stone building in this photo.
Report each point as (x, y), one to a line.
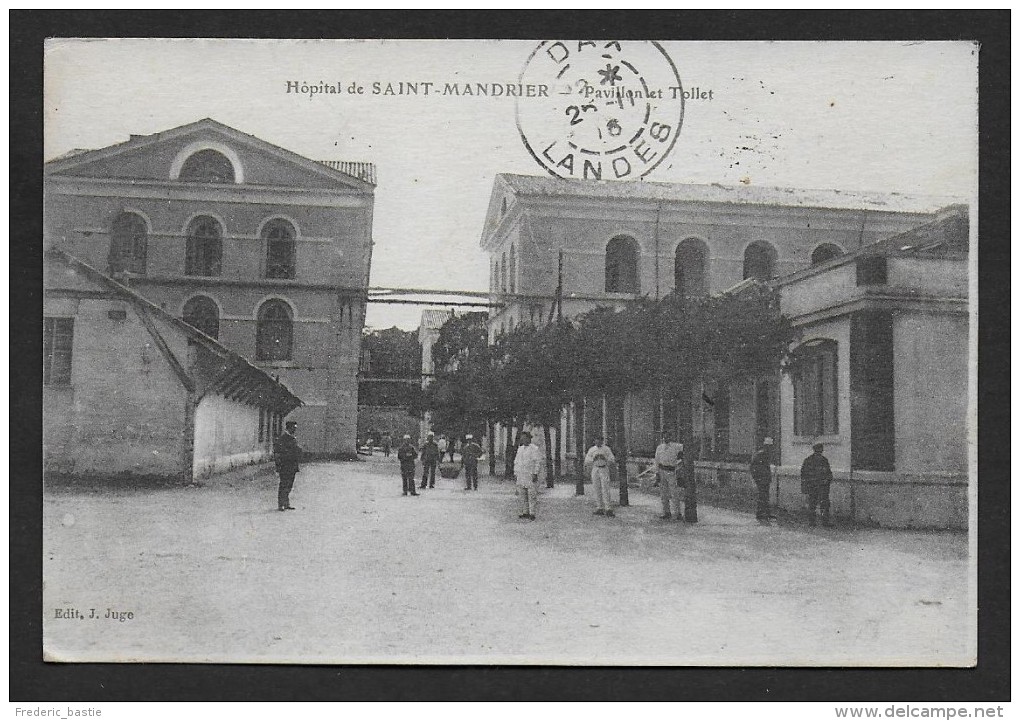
(882, 376)
(621, 241)
(130, 390)
(432, 320)
(264, 250)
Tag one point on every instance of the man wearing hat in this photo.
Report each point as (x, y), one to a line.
(598, 462)
(668, 457)
(287, 454)
(761, 474)
(527, 466)
(815, 479)
(469, 454)
(429, 460)
(406, 455)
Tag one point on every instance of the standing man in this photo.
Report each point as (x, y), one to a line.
(815, 479)
(387, 443)
(470, 452)
(443, 444)
(527, 466)
(761, 474)
(406, 455)
(597, 462)
(429, 458)
(668, 457)
(287, 454)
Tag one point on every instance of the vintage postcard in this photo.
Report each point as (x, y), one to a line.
(572, 352)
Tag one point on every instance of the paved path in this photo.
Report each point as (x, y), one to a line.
(360, 573)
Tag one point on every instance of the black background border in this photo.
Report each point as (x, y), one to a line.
(33, 680)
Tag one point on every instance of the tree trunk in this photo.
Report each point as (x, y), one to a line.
(492, 448)
(549, 481)
(579, 445)
(621, 465)
(508, 465)
(691, 493)
(559, 452)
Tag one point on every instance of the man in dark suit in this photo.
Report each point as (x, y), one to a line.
(761, 474)
(287, 455)
(429, 460)
(469, 454)
(406, 455)
(815, 479)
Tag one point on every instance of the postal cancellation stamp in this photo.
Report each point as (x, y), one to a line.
(614, 110)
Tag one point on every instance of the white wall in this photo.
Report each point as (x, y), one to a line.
(226, 436)
(930, 390)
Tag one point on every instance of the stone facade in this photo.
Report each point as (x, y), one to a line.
(249, 233)
(701, 240)
(129, 390)
(899, 447)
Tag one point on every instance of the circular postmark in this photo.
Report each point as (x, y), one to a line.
(612, 110)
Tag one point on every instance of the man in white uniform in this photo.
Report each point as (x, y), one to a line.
(527, 466)
(668, 457)
(597, 462)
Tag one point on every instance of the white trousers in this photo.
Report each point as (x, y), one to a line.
(600, 479)
(527, 498)
(668, 492)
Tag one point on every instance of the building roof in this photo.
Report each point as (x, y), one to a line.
(361, 175)
(547, 186)
(364, 171)
(947, 235)
(238, 375)
(434, 318)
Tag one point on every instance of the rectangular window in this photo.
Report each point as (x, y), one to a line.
(58, 339)
(815, 389)
(262, 425)
(872, 270)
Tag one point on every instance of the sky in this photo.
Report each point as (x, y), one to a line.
(869, 116)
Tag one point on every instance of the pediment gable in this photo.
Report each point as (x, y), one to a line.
(248, 160)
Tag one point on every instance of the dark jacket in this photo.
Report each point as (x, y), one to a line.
(761, 469)
(430, 451)
(287, 453)
(406, 455)
(814, 472)
(470, 453)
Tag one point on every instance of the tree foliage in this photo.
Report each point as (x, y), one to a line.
(529, 374)
(391, 353)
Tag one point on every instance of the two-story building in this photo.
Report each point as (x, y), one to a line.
(615, 242)
(881, 376)
(259, 248)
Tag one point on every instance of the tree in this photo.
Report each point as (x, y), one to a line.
(459, 396)
(391, 353)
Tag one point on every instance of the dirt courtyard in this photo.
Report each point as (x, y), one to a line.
(361, 574)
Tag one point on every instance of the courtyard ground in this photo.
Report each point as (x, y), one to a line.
(360, 573)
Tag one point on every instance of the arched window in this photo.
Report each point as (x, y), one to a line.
(622, 265)
(824, 252)
(208, 166)
(689, 268)
(502, 274)
(759, 261)
(513, 269)
(202, 313)
(280, 249)
(128, 244)
(205, 247)
(275, 333)
(815, 375)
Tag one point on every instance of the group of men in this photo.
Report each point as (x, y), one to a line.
(671, 477)
(815, 475)
(432, 453)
